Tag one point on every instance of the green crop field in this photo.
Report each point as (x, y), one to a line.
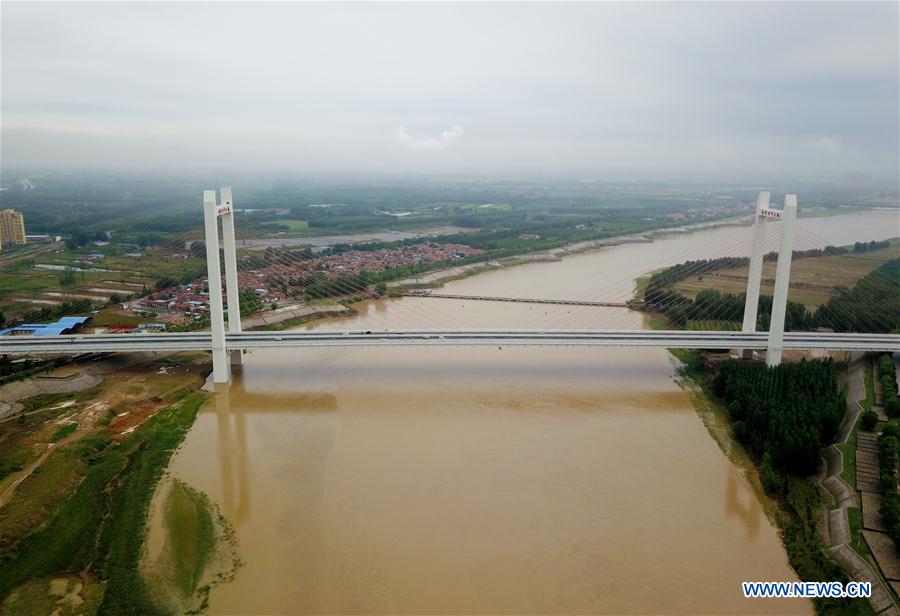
(812, 279)
(294, 225)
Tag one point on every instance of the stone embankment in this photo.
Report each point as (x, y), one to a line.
(883, 599)
(289, 313)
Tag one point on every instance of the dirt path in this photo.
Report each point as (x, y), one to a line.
(86, 417)
(26, 472)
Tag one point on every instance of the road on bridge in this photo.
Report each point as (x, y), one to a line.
(196, 341)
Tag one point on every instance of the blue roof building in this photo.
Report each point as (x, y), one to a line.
(62, 326)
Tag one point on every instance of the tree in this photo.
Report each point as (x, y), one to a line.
(787, 412)
(149, 239)
(869, 420)
(67, 278)
(875, 300)
(77, 240)
(165, 282)
(250, 302)
(772, 482)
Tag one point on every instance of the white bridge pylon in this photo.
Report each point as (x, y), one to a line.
(788, 216)
(212, 212)
(223, 209)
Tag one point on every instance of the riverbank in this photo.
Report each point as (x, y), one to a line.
(299, 314)
(862, 265)
(795, 505)
(80, 503)
(438, 278)
(293, 314)
(836, 531)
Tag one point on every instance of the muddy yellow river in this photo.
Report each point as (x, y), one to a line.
(489, 480)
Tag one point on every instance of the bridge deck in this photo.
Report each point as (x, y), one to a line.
(517, 300)
(609, 338)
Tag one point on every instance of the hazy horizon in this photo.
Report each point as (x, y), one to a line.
(642, 89)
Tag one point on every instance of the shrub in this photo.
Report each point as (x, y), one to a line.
(890, 504)
(887, 378)
(869, 420)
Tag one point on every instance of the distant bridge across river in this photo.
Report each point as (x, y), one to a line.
(518, 300)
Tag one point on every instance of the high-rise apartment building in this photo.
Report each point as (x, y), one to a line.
(12, 228)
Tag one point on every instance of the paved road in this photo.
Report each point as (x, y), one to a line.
(609, 338)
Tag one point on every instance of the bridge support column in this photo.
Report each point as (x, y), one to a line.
(231, 278)
(782, 277)
(221, 369)
(751, 304)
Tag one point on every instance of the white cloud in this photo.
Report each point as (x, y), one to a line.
(435, 144)
(831, 145)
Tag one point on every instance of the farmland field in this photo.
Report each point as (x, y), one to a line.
(813, 280)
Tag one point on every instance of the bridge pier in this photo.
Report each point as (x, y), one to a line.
(751, 303)
(221, 369)
(782, 278)
(231, 279)
(211, 214)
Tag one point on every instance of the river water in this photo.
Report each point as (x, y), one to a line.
(491, 480)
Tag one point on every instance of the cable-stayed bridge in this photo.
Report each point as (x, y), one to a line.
(226, 340)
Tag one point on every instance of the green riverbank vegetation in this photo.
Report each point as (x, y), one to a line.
(889, 446)
(79, 528)
(888, 453)
(783, 417)
(887, 379)
(198, 550)
(876, 296)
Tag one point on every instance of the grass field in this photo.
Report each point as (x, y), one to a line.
(63, 431)
(48, 416)
(294, 225)
(64, 595)
(869, 402)
(191, 535)
(117, 317)
(98, 527)
(39, 495)
(812, 279)
(848, 450)
(857, 542)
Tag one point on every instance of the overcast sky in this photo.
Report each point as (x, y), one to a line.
(641, 88)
